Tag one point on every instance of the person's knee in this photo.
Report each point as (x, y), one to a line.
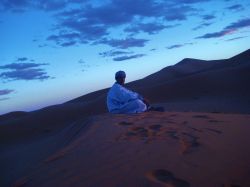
(141, 105)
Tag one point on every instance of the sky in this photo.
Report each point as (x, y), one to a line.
(54, 51)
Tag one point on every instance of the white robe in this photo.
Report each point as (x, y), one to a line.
(121, 100)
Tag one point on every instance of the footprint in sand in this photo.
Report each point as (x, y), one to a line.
(167, 178)
(141, 131)
(124, 123)
(214, 121)
(128, 134)
(184, 122)
(173, 115)
(195, 129)
(173, 134)
(201, 116)
(155, 127)
(214, 130)
(171, 122)
(188, 142)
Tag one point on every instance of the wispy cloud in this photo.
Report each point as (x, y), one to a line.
(202, 25)
(25, 74)
(150, 28)
(6, 92)
(92, 23)
(216, 34)
(4, 98)
(124, 43)
(21, 59)
(236, 38)
(190, 1)
(112, 53)
(239, 24)
(122, 58)
(65, 39)
(178, 13)
(230, 29)
(208, 17)
(20, 66)
(24, 71)
(178, 45)
(236, 7)
(23, 5)
(81, 61)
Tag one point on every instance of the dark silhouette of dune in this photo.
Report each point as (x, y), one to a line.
(12, 116)
(219, 85)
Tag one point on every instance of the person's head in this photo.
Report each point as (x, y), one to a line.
(120, 77)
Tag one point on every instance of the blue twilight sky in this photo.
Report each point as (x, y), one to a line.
(54, 51)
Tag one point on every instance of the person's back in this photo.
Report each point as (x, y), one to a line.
(122, 100)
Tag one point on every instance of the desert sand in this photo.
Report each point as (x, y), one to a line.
(201, 140)
(150, 149)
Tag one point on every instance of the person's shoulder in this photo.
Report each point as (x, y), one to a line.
(118, 88)
(114, 87)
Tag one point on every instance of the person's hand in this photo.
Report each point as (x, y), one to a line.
(146, 101)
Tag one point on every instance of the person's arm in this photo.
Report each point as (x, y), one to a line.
(126, 95)
(146, 101)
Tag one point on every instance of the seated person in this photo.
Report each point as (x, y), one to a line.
(121, 100)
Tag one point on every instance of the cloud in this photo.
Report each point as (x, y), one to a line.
(230, 29)
(236, 7)
(67, 44)
(22, 59)
(6, 92)
(216, 34)
(23, 5)
(85, 30)
(178, 13)
(150, 28)
(190, 1)
(93, 23)
(81, 31)
(65, 39)
(4, 99)
(178, 45)
(208, 17)
(124, 43)
(236, 38)
(21, 66)
(122, 58)
(202, 25)
(206, 21)
(112, 53)
(50, 5)
(239, 24)
(24, 71)
(14, 4)
(81, 61)
(25, 74)
(81, 22)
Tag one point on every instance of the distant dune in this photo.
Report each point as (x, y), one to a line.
(12, 116)
(201, 140)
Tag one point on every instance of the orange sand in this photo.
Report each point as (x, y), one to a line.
(150, 149)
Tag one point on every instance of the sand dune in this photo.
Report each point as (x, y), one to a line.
(78, 144)
(150, 149)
